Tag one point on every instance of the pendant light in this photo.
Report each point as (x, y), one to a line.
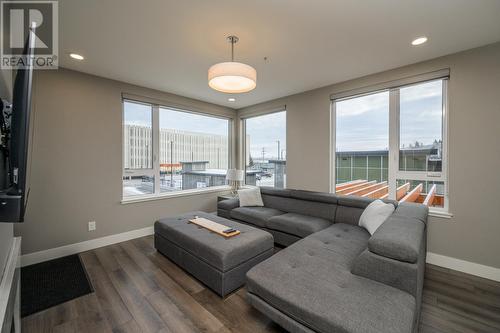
(232, 77)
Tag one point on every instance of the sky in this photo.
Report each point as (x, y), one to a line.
(363, 122)
(264, 132)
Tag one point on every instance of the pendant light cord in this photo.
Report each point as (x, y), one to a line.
(233, 40)
(232, 50)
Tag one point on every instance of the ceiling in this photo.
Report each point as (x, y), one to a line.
(169, 45)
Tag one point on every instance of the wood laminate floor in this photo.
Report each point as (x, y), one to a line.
(139, 290)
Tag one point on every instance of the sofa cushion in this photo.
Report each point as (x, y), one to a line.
(255, 215)
(348, 215)
(317, 204)
(398, 238)
(374, 215)
(354, 201)
(228, 204)
(310, 281)
(350, 208)
(274, 191)
(250, 197)
(297, 224)
(298, 206)
(314, 196)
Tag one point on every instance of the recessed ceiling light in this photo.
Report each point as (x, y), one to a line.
(231, 99)
(419, 41)
(76, 56)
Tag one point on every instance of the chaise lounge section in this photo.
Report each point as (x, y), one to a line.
(335, 276)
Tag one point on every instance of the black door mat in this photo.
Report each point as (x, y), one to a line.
(51, 283)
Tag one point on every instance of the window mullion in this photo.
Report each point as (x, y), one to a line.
(231, 145)
(156, 148)
(333, 150)
(243, 146)
(444, 157)
(393, 157)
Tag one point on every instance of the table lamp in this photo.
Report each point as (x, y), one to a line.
(234, 177)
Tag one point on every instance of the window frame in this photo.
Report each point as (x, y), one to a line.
(394, 141)
(243, 135)
(155, 170)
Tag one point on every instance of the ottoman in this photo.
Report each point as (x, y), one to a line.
(220, 263)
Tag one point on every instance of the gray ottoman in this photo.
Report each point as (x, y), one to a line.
(220, 263)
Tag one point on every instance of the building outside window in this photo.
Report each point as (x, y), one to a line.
(167, 150)
(392, 144)
(265, 150)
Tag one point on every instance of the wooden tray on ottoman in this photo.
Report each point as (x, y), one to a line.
(214, 227)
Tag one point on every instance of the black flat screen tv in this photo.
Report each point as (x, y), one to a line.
(15, 127)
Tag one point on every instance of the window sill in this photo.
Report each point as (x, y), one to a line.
(184, 193)
(440, 214)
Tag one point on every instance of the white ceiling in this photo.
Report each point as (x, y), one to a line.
(169, 45)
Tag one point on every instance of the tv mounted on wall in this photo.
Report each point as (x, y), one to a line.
(14, 141)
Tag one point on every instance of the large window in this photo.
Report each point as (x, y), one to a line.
(265, 150)
(169, 150)
(391, 144)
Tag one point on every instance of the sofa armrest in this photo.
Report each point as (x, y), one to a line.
(412, 210)
(398, 238)
(228, 204)
(401, 236)
(398, 274)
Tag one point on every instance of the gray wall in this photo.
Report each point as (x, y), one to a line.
(474, 154)
(77, 162)
(6, 229)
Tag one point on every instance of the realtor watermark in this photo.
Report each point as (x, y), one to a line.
(22, 19)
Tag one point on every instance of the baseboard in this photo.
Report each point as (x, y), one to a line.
(66, 250)
(487, 272)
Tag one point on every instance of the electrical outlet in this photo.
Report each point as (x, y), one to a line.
(91, 225)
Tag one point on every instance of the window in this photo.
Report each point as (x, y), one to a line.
(362, 138)
(265, 150)
(421, 157)
(391, 144)
(168, 150)
(138, 176)
(193, 150)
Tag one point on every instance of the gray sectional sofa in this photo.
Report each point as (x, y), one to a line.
(334, 276)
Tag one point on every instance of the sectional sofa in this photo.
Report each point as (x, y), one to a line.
(334, 276)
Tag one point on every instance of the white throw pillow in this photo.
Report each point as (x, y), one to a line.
(374, 215)
(250, 197)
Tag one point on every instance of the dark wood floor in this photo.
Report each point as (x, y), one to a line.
(139, 290)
